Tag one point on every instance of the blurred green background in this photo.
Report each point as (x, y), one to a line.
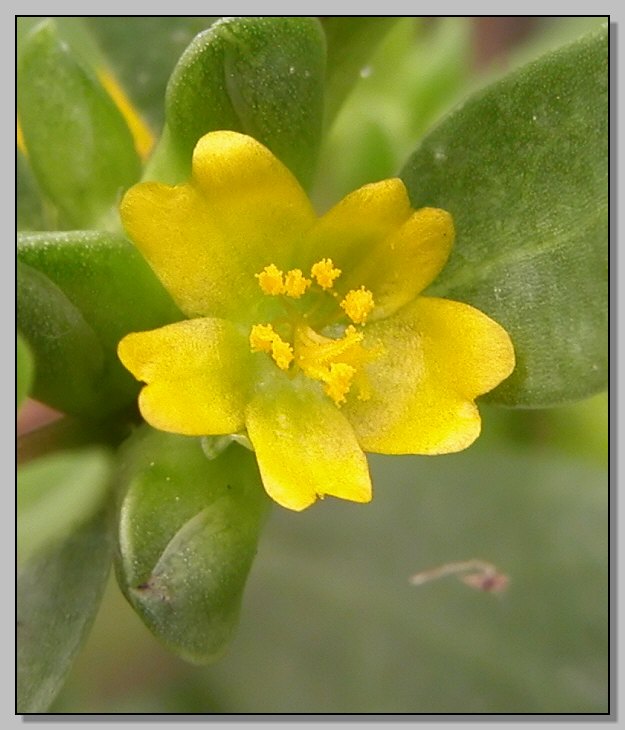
(330, 622)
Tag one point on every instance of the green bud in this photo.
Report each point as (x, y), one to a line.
(188, 530)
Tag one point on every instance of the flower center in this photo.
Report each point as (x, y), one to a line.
(337, 362)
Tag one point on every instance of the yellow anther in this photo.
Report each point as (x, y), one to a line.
(295, 284)
(358, 305)
(262, 337)
(270, 280)
(324, 273)
(338, 381)
(282, 353)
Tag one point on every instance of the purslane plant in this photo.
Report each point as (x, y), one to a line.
(276, 343)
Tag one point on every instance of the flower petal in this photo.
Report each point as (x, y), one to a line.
(195, 373)
(351, 230)
(377, 240)
(439, 355)
(305, 447)
(206, 239)
(408, 260)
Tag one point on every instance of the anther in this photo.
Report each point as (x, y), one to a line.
(358, 305)
(295, 284)
(324, 273)
(263, 338)
(271, 280)
(338, 381)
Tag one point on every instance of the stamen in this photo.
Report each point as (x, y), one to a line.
(295, 284)
(263, 338)
(324, 273)
(282, 353)
(270, 280)
(358, 305)
(338, 381)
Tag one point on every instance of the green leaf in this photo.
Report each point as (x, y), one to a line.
(31, 214)
(187, 537)
(145, 68)
(58, 594)
(443, 56)
(522, 167)
(25, 369)
(56, 494)
(351, 40)
(260, 76)
(115, 291)
(68, 355)
(71, 31)
(79, 145)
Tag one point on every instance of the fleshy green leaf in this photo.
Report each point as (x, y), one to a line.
(114, 290)
(351, 40)
(58, 594)
(67, 352)
(522, 167)
(76, 34)
(187, 537)
(72, 31)
(144, 68)
(25, 369)
(260, 76)
(79, 145)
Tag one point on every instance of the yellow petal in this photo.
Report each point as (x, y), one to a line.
(207, 239)
(439, 355)
(351, 230)
(305, 447)
(408, 260)
(195, 373)
(378, 240)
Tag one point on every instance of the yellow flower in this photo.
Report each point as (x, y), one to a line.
(307, 333)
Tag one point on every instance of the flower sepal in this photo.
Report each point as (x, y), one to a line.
(188, 530)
